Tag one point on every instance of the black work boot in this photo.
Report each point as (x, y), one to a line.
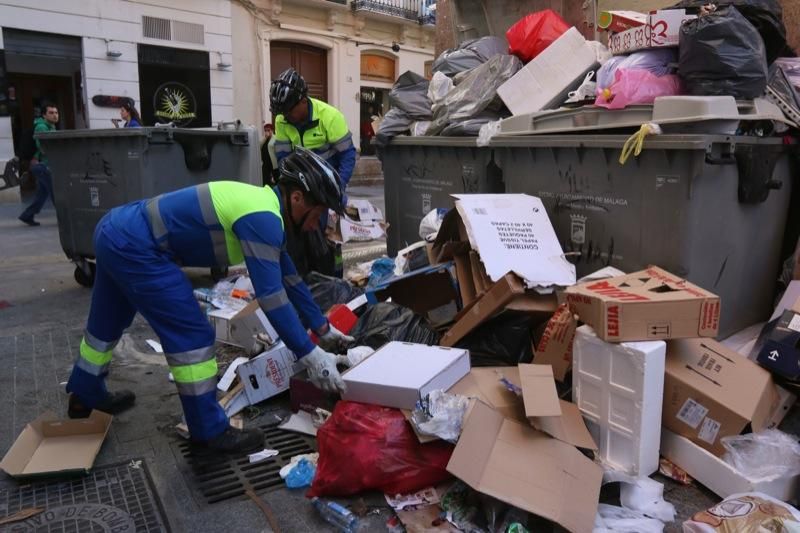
(236, 440)
(115, 403)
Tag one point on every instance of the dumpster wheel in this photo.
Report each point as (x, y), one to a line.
(83, 277)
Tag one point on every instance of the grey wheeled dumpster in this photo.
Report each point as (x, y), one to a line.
(712, 209)
(96, 170)
(420, 174)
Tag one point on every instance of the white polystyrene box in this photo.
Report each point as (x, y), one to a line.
(619, 389)
(549, 74)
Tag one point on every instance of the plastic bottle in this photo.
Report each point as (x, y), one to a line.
(336, 515)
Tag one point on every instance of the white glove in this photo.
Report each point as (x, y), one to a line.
(334, 340)
(322, 371)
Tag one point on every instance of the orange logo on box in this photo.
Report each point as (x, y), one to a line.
(607, 289)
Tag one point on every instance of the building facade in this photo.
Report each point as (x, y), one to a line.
(349, 51)
(199, 62)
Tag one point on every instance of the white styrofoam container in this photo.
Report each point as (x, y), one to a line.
(619, 389)
(549, 74)
(718, 475)
(401, 373)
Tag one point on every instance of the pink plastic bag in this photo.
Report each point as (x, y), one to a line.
(533, 33)
(635, 86)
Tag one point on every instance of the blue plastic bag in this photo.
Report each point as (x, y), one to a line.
(301, 475)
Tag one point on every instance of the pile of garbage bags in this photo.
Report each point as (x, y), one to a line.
(461, 97)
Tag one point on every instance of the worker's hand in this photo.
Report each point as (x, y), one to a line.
(322, 371)
(334, 340)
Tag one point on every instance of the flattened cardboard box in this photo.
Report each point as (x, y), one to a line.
(648, 305)
(525, 468)
(711, 392)
(52, 446)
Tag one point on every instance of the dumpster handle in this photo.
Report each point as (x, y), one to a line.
(160, 136)
(240, 139)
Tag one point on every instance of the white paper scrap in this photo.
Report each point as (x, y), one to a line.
(262, 455)
(155, 346)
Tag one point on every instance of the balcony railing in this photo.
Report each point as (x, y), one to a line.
(420, 11)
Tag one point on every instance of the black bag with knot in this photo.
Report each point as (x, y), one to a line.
(722, 54)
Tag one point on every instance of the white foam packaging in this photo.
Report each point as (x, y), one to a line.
(722, 478)
(619, 390)
(550, 75)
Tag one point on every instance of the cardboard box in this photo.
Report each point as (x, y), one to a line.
(719, 476)
(711, 392)
(662, 30)
(242, 328)
(555, 346)
(348, 230)
(268, 374)
(780, 352)
(648, 305)
(484, 384)
(559, 419)
(619, 389)
(49, 446)
(401, 373)
(525, 468)
(617, 21)
(430, 292)
(512, 233)
(491, 303)
(545, 81)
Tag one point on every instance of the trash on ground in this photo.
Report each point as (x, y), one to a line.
(380, 450)
(328, 291)
(546, 412)
(621, 407)
(384, 322)
(49, 445)
(674, 472)
(246, 327)
(492, 449)
(504, 339)
(267, 374)
(154, 345)
(311, 458)
(642, 494)
(354, 355)
(19, 516)
(675, 308)
(611, 518)
(416, 500)
(440, 414)
(743, 394)
(229, 375)
(301, 475)
(262, 455)
(299, 422)
(430, 292)
(767, 454)
(401, 374)
(336, 515)
(720, 477)
(555, 345)
(751, 511)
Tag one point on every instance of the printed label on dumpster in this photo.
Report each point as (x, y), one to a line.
(692, 413)
(709, 430)
(94, 196)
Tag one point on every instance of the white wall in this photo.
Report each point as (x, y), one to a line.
(120, 21)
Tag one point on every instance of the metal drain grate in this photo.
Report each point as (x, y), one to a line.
(218, 477)
(111, 498)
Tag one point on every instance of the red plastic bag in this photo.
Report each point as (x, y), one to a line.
(637, 86)
(532, 34)
(371, 447)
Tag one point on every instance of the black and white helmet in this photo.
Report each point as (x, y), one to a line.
(310, 173)
(286, 90)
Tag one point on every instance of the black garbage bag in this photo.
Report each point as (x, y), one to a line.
(765, 15)
(385, 321)
(502, 341)
(722, 54)
(410, 94)
(476, 93)
(395, 122)
(469, 54)
(471, 127)
(328, 291)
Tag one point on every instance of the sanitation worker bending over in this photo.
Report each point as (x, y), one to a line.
(139, 247)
